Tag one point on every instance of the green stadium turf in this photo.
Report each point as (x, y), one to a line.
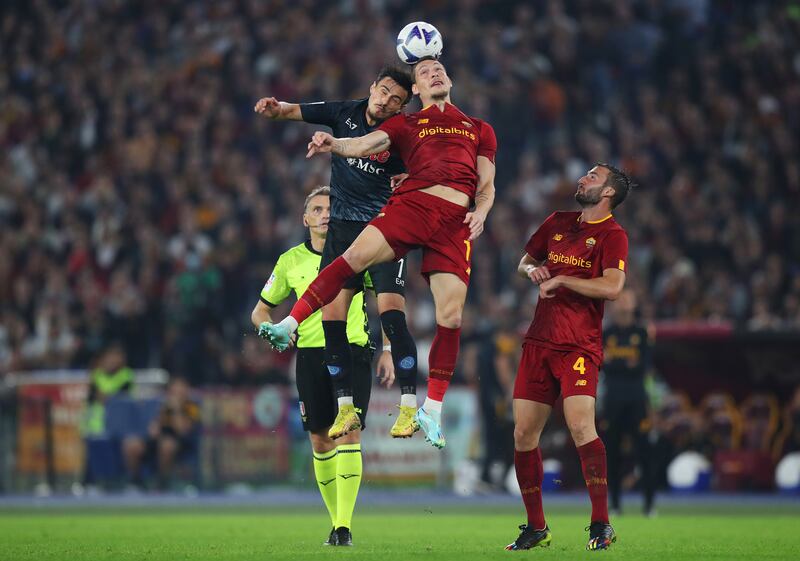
(382, 534)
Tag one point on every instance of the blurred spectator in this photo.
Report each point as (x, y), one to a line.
(627, 355)
(497, 360)
(789, 439)
(111, 377)
(137, 182)
(172, 436)
(720, 423)
(760, 416)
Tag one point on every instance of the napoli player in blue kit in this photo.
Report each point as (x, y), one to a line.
(360, 187)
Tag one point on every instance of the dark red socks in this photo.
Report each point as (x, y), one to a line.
(530, 473)
(593, 462)
(442, 361)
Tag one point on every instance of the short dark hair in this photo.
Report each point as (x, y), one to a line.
(619, 181)
(401, 78)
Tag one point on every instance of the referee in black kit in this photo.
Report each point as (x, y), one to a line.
(627, 351)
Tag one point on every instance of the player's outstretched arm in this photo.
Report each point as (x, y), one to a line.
(484, 197)
(278, 110)
(358, 147)
(607, 287)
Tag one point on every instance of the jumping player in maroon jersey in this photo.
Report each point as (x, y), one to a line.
(578, 261)
(450, 158)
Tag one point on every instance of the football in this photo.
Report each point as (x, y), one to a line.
(418, 40)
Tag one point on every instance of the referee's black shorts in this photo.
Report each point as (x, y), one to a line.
(318, 406)
(386, 277)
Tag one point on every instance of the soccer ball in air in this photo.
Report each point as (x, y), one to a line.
(418, 40)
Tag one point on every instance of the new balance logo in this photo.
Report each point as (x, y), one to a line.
(580, 382)
(325, 483)
(346, 476)
(530, 490)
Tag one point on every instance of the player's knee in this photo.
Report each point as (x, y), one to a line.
(352, 437)
(526, 437)
(357, 258)
(335, 311)
(395, 326)
(450, 317)
(391, 302)
(582, 430)
(321, 442)
(452, 321)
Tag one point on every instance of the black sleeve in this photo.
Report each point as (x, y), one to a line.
(321, 112)
(267, 302)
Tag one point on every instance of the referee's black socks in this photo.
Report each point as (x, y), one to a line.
(404, 350)
(338, 357)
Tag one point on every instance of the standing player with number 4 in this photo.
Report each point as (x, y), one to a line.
(578, 261)
(450, 161)
(360, 186)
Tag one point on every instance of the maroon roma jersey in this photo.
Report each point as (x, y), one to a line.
(440, 147)
(571, 321)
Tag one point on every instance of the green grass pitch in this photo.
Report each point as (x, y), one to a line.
(383, 534)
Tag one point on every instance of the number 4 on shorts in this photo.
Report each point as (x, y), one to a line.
(580, 366)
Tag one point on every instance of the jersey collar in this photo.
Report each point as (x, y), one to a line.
(596, 221)
(446, 107)
(310, 248)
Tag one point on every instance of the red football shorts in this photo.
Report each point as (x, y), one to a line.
(544, 373)
(416, 219)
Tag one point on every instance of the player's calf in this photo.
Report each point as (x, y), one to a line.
(404, 352)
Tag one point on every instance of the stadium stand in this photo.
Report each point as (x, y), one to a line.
(143, 201)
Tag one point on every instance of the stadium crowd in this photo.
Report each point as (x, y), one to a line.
(142, 200)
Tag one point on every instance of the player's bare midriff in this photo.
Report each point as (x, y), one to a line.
(448, 194)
